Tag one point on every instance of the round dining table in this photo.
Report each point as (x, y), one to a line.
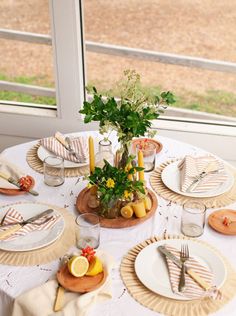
(15, 280)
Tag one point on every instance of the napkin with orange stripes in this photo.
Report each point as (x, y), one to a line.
(192, 289)
(78, 144)
(191, 168)
(13, 216)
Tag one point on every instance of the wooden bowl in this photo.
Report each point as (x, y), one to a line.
(16, 191)
(82, 284)
(137, 141)
(119, 222)
(215, 220)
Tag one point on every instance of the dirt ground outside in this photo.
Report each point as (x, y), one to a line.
(186, 27)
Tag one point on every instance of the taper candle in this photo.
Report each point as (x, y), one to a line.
(91, 155)
(140, 164)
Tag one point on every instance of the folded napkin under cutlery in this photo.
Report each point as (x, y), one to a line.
(201, 174)
(13, 216)
(76, 150)
(74, 303)
(192, 289)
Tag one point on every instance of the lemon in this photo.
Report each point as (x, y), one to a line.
(127, 211)
(95, 267)
(78, 266)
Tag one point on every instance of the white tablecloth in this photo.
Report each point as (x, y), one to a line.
(15, 280)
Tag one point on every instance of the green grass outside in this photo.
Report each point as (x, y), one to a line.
(23, 97)
(216, 102)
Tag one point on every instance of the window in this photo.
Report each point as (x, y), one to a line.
(69, 58)
(26, 65)
(176, 34)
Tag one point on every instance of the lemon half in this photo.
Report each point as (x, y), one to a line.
(78, 266)
(95, 267)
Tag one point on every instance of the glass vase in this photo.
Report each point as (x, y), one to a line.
(104, 153)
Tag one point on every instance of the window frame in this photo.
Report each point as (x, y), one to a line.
(69, 73)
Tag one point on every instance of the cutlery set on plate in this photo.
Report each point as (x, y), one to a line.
(9, 229)
(182, 264)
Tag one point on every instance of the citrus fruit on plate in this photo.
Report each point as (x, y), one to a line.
(82, 284)
(95, 267)
(127, 211)
(78, 266)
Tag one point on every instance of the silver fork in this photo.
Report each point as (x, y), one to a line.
(184, 256)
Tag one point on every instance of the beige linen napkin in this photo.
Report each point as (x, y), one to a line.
(192, 290)
(40, 301)
(13, 216)
(191, 167)
(79, 145)
(10, 170)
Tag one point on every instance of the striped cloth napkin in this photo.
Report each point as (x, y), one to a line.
(192, 289)
(13, 216)
(192, 167)
(78, 144)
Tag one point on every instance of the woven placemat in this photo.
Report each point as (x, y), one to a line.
(167, 306)
(212, 202)
(35, 163)
(46, 254)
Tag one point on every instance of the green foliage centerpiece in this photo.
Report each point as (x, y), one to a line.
(130, 116)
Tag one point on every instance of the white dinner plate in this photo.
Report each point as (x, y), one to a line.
(171, 178)
(151, 267)
(43, 153)
(36, 239)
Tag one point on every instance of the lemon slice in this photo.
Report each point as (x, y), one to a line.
(95, 267)
(127, 211)
(78, 266)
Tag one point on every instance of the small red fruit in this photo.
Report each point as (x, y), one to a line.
(89, 253)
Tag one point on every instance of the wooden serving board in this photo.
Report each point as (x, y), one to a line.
(16, 191)
(215, 220)
(119, 222)
(81, 285)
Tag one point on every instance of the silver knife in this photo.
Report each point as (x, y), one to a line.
(196, 277)
(16, 226)
(16, 183)
(201, 176)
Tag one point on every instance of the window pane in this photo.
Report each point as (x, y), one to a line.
(203, 29)
(25, 62)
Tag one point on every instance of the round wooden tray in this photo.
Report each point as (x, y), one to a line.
(215, 220)
(16, 191)
(119, 222)
(81, 285)
(158, 145)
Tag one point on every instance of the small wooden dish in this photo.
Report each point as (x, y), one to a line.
(119, 222)
(16, 191)
(137, 141)
(215, 220)
(81, 285)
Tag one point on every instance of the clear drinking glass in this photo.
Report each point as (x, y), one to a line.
(193, 218)
(53, 171)
(149, 155)
(87, 230)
